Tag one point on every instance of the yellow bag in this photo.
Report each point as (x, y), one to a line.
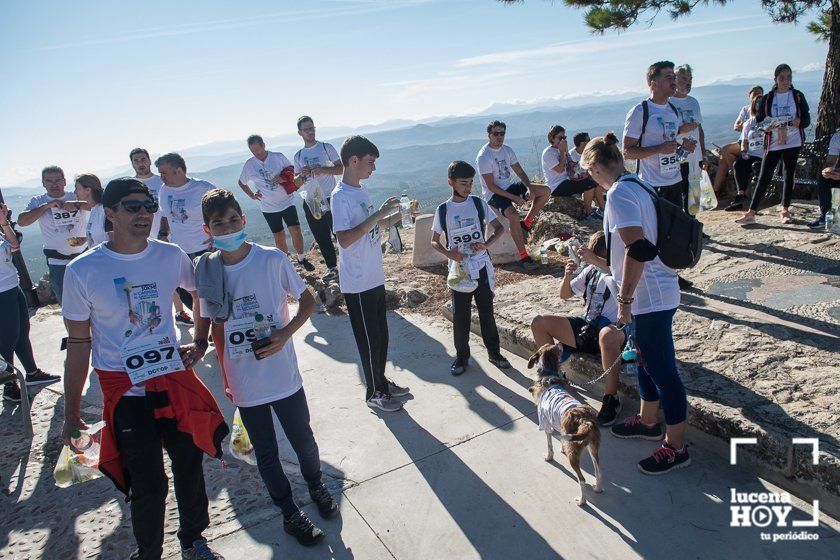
(71, 469)
(240, 444)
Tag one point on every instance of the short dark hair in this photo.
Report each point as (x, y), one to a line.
(136, 151)
(117, 189)
(655, 69)
(496, 123)
(216, 201)
(51, 169)
(460, 170)
(255, 139)
(553, 131)
(580, 137)
(304, 119)
(358, 146)
(172, 159)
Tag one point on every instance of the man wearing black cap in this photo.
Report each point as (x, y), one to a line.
(117, 303)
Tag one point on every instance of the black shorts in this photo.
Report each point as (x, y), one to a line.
(502, 203)
(587, 341)
(569, 187)
(275, 219)
(671, 193)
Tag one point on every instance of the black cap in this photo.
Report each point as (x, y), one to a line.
(118, 189)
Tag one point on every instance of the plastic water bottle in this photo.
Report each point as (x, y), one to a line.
(87, 443)
(572, 245)
(262, 328)
(405, 210)
(630, 357)
(543, 255)
(829, 220)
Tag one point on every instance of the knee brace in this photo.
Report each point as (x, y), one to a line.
(642, 250)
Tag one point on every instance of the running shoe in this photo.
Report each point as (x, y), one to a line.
(633, 428)
(684, 284)
(397, 391)
(307, 266)
(819, 223)
(499, 361)
(458, 367)
(301, 528)
(528, 264)
(322, 498)
(665, 459)
(11, 392)
(383, 402)
(737, 203)
(38, 377)
(183, 318)
(200, 551)
(746, 219)
(610, 407)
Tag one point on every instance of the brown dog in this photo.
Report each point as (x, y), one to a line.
(559, 411)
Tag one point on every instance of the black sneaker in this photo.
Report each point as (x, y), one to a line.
(322, 498)
(38, 377)
(11, 392)
(301, 528)
(610, 407)
(183, 318)
(684, 284)
(528, 264)
(500, 362)
(665, 459)
(200, 551)
(633, 428)
(458, 367)
(307, 266)
(737, 203)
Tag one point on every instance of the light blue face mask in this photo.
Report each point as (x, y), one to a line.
(231, 241)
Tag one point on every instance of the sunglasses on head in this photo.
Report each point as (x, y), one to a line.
(133, 206)
(498, 133)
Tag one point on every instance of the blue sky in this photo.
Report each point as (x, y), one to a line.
(86, 81)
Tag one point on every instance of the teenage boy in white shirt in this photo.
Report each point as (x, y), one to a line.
(63, 225)
(258, 281)
(320, 161)
(265, 172)
(495, 162)
(463, 225)
(361, 276)
(142, 164)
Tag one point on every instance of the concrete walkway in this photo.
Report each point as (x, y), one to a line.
(458, 474)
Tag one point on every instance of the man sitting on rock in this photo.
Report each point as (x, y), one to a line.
(591, 333)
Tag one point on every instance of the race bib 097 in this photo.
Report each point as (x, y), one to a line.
(150, 356)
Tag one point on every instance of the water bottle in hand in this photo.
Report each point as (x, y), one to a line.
(405, 210)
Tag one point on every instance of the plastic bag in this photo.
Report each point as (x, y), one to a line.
(314, 198)
(708, 199)
(240, 444)
(695, 181)
(73, 468)
(459, 279)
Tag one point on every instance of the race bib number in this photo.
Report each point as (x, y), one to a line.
(147, 357)
(239, 334)
(65, 218)
(669, 164)
(756, 143)
(462, 237)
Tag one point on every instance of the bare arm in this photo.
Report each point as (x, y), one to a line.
(29, 217)
(521, 174)
(247, 190)
(566, 286)
(350, 236)
(75, 375)
(454, 255)
(632, 269)
(632, 150)
(702, 144)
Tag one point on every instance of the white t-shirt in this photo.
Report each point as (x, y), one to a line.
(689, 110)
(319, 155)
(96, 226)
(8, 273)
(259, 174)
(464, 228)
(182, 208)
(63, 230)
(743, 114)
(154, 183)
(596, 305)
(260, 283)
(834, 145)
(359, 265)
(660, 170)
(550, 160)
(498, 162)
(628, 204)
(554, 403)
(754, 137)
(128, 299)
(784, 106)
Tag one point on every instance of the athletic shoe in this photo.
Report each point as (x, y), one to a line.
(737, 203)
(383, 402)
(331, 274)
(322, 498)
(307, 266)
(746, 220)
(11, 392)
(500, 362)
(200, 551)
(819, 223)
(610, 407)
(38, 377)
(684, 284)
(301, 528)
(397, 391)
(784, 216)
(528, 264)
(633, 428)
(458, 367)
(665, 459)
(183, 318)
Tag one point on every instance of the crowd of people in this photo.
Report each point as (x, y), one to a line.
(127, 261)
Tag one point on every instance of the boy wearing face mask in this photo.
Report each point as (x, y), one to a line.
(236, 282)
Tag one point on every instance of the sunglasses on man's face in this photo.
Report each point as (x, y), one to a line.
(498, 133)
(133, 206)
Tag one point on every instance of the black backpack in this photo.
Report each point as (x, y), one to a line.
(679, 236)
(441, 210)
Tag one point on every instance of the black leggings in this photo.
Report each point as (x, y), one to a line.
(322, 232)
(368, 317)
(788, 157)
(14, 329)
(824, 187)
(743, 172)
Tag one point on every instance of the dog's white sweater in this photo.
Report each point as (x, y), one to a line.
(554, 402)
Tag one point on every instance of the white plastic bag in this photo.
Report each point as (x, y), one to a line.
(708, 199)
(459, 279)
(73, 468)
(695, 186)
(240, 444)
(314, 198)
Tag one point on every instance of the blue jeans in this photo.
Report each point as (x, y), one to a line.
(658, 375)
(293, 414)
(57, 279)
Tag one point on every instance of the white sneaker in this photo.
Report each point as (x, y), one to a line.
(383, 402)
